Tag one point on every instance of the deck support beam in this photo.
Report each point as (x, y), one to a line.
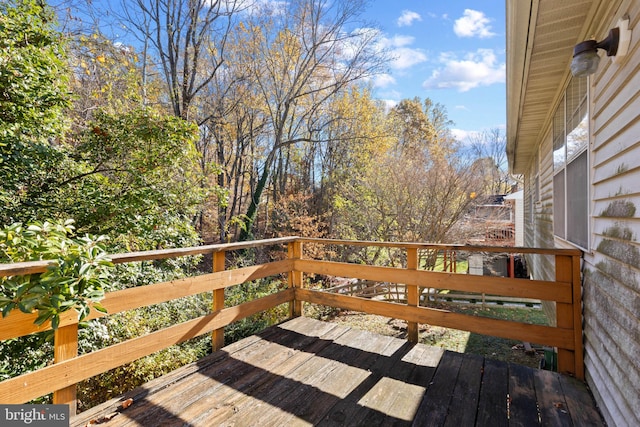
(295, 278)
(569, 315)
(412, 294)
(65, 347)
(217, 335)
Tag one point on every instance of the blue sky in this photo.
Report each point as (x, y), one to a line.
(450, 51)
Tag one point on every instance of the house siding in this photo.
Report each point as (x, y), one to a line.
(611, 275)
(611, 266)
(539, 227)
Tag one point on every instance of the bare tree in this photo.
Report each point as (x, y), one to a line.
(488, 150)
(301, 58)
(188, 39)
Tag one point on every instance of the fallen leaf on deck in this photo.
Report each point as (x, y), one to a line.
(127, 403)
(102, 419)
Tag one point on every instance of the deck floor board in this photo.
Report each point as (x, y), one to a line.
(523, 406)
(466, 393)
(308, 372)
(494, 391)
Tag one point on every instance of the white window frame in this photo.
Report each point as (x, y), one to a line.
(569, 203)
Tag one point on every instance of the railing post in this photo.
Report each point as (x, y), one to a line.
(217, 335)
(65, 342)
(412, 293)
(454, 256)
(295, 278)
(565, 314)
(577, 317)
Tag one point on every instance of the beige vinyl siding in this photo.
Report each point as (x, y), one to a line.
(611, 271)
(545, 218)
(530, 203)
(540, 231)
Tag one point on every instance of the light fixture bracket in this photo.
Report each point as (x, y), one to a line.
(616, 44)
(624, 39)
(610, 44)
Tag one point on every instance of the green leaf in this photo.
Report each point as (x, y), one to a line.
(55, 321)
(99, 307)
(43, 316)
(7, 308)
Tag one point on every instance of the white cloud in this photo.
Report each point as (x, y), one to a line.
(407, 18)
(403, 56)
(351, 44)
(396, 41)
(388, 104)
(259, 7)
(473, 24)
(480, 68)
(390, 94)
(467, 137)
(464, 135)
(383, 80)
(461, 107)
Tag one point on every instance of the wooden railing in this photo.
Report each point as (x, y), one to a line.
(69, 368)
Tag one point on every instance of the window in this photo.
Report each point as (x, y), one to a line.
(570, 165)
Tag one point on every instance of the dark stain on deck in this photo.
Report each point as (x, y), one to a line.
(308, 372)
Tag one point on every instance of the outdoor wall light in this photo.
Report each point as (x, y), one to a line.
(585, 55)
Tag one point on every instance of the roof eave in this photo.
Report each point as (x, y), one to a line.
(521, 15)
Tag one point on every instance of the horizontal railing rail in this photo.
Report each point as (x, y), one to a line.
(18, 324)
(69, 368)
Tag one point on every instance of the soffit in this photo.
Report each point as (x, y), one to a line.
(540, 39)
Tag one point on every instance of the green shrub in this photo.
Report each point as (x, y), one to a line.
(76, 278)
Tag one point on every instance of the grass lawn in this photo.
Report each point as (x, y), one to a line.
(462, 265)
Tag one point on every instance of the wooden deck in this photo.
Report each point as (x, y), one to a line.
(308, 372)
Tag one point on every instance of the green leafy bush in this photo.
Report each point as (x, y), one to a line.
(25, 354)
(251, 291)
(76, 278)
(34, 92)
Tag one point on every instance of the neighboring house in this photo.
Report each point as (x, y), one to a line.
(492, 220)
(489, 221)
(517, 201)
(577, 143)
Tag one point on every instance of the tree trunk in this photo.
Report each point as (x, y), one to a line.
(252, 210)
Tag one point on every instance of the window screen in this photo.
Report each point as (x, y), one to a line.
(570, 165)
(558, 205)
(578, 201)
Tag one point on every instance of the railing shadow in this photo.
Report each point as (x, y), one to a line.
(264, 375)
